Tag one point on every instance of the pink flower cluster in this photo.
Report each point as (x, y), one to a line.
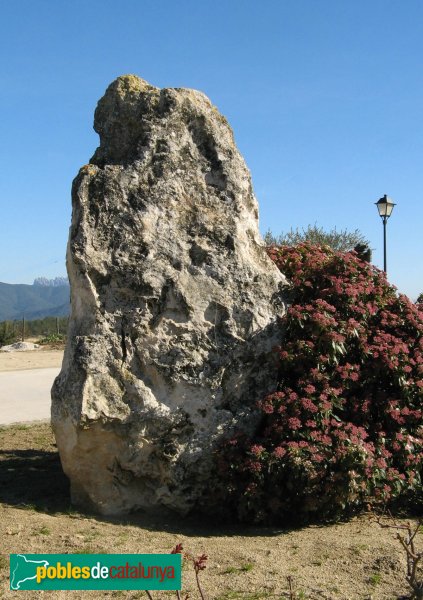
(345, 425)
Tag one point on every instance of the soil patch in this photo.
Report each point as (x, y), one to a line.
(43, 358)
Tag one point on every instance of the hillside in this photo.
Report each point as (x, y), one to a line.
(33, 301)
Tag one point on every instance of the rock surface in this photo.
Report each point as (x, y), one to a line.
(174, 303)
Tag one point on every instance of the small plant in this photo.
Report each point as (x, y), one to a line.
(357, 550)
(198, 563)
(230, 571)
(375, 579)
(246, 567)
(406, 535)
(53, 338)
(293, 594)
(242, 569)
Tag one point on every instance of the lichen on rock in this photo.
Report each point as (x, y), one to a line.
(174, 303)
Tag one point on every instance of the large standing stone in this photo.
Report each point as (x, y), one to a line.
(174, 302)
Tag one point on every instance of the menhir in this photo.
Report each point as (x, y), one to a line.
(175, 303)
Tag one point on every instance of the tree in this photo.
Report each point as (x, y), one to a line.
(8, 333)
(342, 241)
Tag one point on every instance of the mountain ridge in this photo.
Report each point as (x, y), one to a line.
(19, 300)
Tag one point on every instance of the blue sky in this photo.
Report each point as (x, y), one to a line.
(325, 98)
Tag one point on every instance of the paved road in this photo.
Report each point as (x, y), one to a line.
(25, 395)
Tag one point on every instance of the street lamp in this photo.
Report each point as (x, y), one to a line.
(385, 206)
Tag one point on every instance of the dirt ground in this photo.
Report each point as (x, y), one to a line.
(43, 358)
(353, 560)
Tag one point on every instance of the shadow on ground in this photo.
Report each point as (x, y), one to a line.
(33, 478)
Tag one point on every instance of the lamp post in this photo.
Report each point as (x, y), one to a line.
(385, 206)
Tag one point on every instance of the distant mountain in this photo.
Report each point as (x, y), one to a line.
(33, 301)
(56, 282)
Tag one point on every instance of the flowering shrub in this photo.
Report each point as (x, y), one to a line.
(344, 428)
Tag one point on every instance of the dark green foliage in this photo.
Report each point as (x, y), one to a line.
(11, 331)
(8, 334)
(53, 338)
(342, 240)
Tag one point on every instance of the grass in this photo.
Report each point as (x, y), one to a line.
(358, 549)
(375, 579)
(43, 531)
(91, 536)
(230, 570)
(239, 595)
(242, 569)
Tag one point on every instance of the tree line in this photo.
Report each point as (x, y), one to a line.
(20, 330)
